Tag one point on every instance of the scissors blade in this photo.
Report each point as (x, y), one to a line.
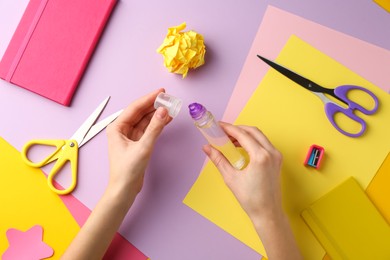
(304, 82)
(80, 134)
(99, 127)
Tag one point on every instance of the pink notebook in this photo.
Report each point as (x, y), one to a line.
(52, 44)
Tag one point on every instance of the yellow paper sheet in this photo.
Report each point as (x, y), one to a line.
(348, 224)
(293, 119)
(385, 4)
(26, 200)
(378, 190)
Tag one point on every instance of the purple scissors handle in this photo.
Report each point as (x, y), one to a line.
(332, 108)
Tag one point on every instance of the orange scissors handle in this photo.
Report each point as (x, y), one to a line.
(65, 151)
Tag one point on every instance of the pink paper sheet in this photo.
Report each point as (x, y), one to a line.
(368, 60)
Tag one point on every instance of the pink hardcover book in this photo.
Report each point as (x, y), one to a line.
(52, 44)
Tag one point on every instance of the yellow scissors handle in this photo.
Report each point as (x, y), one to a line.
(66, 151)
(58, 144)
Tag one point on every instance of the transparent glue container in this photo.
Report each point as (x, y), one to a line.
(214, 134)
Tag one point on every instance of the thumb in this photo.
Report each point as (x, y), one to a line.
(155, 127)
(219, 160)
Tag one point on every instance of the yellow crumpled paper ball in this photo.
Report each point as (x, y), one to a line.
(182, 50)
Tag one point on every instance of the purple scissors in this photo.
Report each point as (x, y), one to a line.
(331, 107)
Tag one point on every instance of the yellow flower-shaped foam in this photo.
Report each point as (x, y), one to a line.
(182, 50)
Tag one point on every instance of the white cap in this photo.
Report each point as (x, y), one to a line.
(172, 104)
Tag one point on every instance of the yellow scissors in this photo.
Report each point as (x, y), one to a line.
(67, 150)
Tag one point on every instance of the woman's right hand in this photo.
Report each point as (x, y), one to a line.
(257, 186)
(257, 189)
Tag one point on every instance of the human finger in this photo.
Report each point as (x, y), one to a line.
(136, 110)
(245, 139)
(139, 128)
(155, 127)
(234, 141)
(144, 122)
(220, 161)
(259, 136)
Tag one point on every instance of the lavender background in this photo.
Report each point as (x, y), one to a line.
(126, 66)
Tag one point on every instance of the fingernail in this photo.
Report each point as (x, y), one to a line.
(207, 149)
(161, 113)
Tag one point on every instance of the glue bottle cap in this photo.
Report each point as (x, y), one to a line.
(171, 103)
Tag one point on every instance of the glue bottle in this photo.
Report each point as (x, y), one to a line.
(214, 134)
